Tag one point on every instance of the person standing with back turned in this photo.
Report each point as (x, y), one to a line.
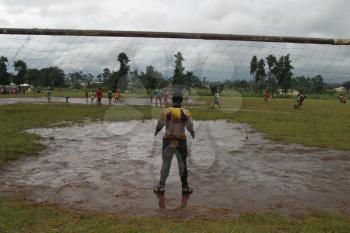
(99, 95)
(175, 119)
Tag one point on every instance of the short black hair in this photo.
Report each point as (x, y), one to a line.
(177, 99)
(177, 96)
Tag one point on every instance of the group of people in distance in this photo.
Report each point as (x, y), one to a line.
(300, 99)
(160, 96)
(99, 95)
(298, 103)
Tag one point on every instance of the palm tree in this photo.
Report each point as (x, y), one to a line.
(272, 63)
(253, 69)
(260, 74)
(21, 68)
(4, 75)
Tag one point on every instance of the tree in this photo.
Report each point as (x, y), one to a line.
(106, 75)
(151, 79)
(119, 79)
(253, 69)
(75, 78)
(271, 82)
(302, 84)
(124, 66)
(260, 75)
(88, 78)
(136, 81)
(52, 77)
(21, 68)
(178, 78)
(317, 84)
(346, 85)
(33, 77)
(4, 75)
(284, 73)
(241, 85)
(191, 79)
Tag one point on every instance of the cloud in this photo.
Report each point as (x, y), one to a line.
(275, 17)
(216, 60)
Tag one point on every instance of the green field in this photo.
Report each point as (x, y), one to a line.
(321, 123)
(22, 217)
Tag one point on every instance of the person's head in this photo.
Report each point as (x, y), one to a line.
(177, 98)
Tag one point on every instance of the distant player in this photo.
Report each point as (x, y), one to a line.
(87, 96)
(110, 96)
(67, 98)
(151, 96)
(117, 96)
(165, 97)
(159, 95)
(187, 94)
(266, 96)
(342, 99)
(216, 100)
(99, 95)
(175, 119)
(92, 96)
(300, 100)
(49, 94)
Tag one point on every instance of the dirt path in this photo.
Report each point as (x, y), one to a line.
(112, 167)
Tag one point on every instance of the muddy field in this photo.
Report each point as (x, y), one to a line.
(112, 167)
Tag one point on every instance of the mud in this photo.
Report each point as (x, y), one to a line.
(112, 167)
(43, 100)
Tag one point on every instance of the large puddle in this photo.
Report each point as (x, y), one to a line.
(112, 167)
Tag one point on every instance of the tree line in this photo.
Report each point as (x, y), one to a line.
(279, 75)
(271, 74)
(121, 78)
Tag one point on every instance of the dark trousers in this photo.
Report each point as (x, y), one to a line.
(179, 148)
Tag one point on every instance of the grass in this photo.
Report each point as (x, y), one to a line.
(321, 123)
(20, 217)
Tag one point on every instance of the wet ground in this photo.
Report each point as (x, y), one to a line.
(43, 100)
(112, 167)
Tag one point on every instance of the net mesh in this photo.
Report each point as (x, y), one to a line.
(213, 59)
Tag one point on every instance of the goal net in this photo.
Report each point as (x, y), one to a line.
(211, 59)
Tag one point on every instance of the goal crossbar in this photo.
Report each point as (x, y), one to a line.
(173, 35)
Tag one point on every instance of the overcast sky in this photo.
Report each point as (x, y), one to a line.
(322, 18)
(213, 59)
